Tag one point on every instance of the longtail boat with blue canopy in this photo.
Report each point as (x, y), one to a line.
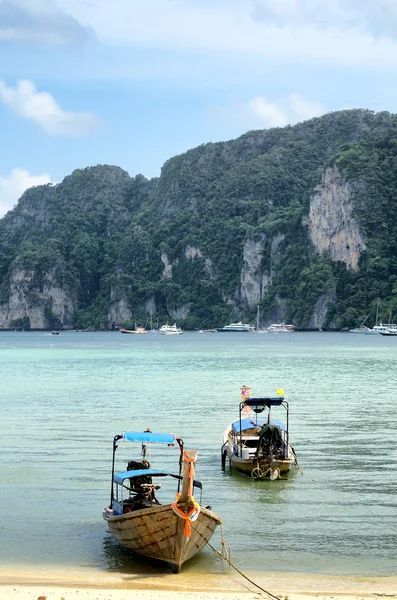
(171, 532)
(256, 444)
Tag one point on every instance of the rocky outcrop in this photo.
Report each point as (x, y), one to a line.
(167, 271)
(320, 310)
(251, 276)
(192, 252)
(180, 313)
(42, 306)
(119, 311)
(332, 228)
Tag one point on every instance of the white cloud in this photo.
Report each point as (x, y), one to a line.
(262, 113)
(337, 31)
(305, 109)
(39, 22)
(41, 107)
(376, 17)
(288, 110)
(13, 185)
(281, 7)
(270, 114)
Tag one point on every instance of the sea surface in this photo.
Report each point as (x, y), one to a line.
(63, 398)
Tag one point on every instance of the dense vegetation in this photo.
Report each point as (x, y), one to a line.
(101, 234)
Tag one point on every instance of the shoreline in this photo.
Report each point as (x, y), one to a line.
(105, 584)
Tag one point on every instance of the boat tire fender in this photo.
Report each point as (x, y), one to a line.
(257, 473)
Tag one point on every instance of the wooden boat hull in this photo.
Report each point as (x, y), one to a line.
(267, 468)
(247, 466)
(157, 533)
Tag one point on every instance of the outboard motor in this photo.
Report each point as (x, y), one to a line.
(136, 465)
(270, 442)
(141, 488)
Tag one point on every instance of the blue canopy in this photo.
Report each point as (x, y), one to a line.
(148, 436)
(248, 423)
(120, 477)
(264, 401)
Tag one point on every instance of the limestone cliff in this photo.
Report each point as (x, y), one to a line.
(332, 226)
(251, 275)
(119, 310)
(227, 226)
(51, 305)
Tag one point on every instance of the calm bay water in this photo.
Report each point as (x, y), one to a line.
(63, 398)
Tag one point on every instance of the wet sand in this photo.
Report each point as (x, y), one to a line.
(31, 583)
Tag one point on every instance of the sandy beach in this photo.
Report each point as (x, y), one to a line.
(18, 584)
(43, 592)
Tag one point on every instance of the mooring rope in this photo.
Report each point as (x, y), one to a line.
(242, 574)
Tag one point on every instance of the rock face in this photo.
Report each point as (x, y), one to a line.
(192, 252)
(320, 311)
(167, 271)
(180, 313)
(251, 276)
(332, 228)
(119, 311)
(49, 304)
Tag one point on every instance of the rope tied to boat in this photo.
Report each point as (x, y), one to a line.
(191, 515)
(241, 573)
(226, 546)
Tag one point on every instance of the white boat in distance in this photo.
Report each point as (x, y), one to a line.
(382, 328)
(235, 327)
(170, 330)
(280, 328)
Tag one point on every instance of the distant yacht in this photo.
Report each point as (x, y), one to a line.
(170, 330)
(384, 328)
(280, 328)
(137, 330)
(235, 327)
(362, 329)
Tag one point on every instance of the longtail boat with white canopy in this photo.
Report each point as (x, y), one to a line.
(259, 446)
(171, 533)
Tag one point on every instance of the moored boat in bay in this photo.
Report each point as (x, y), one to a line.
(136, 331)
(280, 328)
(235, 328)
(170, 329)
(171, 533)
(258, 446)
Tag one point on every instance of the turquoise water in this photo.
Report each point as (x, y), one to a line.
(63, 398)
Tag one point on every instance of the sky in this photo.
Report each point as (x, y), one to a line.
(135, 82)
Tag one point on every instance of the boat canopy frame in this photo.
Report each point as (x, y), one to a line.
(145, 437)
(258, 405)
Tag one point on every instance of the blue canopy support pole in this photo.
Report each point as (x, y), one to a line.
(115, 440)
(180, 444)
(240, 451)
(287, 409)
